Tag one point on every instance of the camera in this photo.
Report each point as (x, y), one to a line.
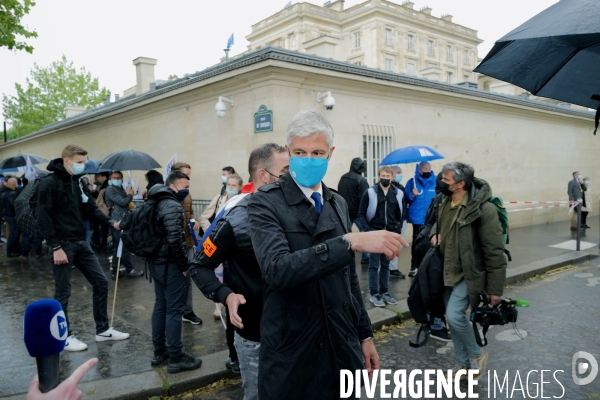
(501, 314)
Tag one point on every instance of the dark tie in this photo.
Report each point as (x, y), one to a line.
(317, 198)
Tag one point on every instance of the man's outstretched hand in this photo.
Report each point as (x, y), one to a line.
(378, 242)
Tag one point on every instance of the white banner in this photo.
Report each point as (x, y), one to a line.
(168, 167)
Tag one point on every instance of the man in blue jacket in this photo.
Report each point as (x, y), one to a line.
(419, 198)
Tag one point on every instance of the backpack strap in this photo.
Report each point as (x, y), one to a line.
(372, 207)
(425, 330)
(485, 327)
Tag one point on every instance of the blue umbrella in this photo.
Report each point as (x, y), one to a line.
(411, 154)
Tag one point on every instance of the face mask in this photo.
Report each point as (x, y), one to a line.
(232, 192)
(224, 179)
(587, 182)
(426, 174)
(361, 169)
(445, 189)
(116, 182)
(385, 182)
(398, 178)
(182, 194)
(77, 169)
(308, 171)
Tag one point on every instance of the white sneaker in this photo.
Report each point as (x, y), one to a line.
(74, 344)
(111, 334)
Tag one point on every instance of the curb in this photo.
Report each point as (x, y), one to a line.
(157, 381)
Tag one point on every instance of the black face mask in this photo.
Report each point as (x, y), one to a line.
(385, 182)
(445, 189)
(426, 174)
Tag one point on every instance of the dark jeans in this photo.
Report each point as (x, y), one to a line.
(365, 256)
(414, 262)
(171, 296)
(80, 253)
(125, 255)
(99, 232)
(12, 244)
(378, 262)
(26, 244)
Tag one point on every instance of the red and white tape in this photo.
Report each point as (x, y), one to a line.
(536, 202)
(538, 208)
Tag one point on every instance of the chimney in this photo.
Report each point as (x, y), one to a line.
(426, 10)
(117, 97)
(71, 111)
(447, 17)
(144, 73)
(408, 4)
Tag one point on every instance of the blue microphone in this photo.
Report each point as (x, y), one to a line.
(45, 331)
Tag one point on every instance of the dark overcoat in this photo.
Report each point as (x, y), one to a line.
(313, 318)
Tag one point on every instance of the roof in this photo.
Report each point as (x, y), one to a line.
(295, 57)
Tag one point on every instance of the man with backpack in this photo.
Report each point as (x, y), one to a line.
(470, 241)
(381, 208)
(118, 200)
(396, 179)
(58, 203)
(164, 221)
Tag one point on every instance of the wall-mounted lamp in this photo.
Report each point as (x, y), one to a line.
(329, 100)
(221, 108)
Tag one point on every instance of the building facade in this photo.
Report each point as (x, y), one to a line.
(376, 33)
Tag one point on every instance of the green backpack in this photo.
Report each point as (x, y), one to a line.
(503, 219)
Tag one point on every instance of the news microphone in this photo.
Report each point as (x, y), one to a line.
(515, 302)
(45, 331)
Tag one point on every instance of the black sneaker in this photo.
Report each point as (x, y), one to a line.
(397, 274)
(192, 318)
(413, 272)
(440, 334)
(187, 363)
(234, 366)
(134, 273)
(159, 359)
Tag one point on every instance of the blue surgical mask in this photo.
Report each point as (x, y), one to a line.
(182, 194)
(398, 178)
(224, 179)
(117, 182)
(77, 169)
(232, 192)
(308, 171)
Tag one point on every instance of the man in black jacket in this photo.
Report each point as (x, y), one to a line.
(61, 199)
(99, 230)
(314, 321)
(381, 208)
(396, 179)
(231, 240)
(351, 187)
(169, 269)
(9, 194)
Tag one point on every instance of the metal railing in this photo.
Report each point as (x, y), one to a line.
(198, 205)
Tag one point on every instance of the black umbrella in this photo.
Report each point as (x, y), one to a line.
(93, 167)
(555, 54)
(129, 160)
(20, 161)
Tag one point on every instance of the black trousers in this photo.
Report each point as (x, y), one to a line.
(584, 215)
(171, 291)
(81, 254)
(99, 232)
(415, 262)
(125, 255)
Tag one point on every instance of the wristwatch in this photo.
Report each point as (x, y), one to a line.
(348, 243)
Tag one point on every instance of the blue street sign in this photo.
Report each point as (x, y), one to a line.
(263, 120)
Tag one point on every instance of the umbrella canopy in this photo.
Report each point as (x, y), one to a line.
(20, 161)
(411, 154)
(93, 167)
(12, 171)
(555, 54)
(129, 160)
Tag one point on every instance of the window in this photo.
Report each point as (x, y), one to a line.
(449, 52)
(430, 48)
(388, 36)
(356, 40)
(448, 77)
(411, 42)
(466, 78)
(358, 63)
(378, 142)
(410, 69)
(466, 56)
(388, 64)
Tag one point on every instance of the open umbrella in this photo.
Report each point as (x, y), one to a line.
(411, 154)
(20, 160)
(555, 54)
(129, 160)
(93, 167)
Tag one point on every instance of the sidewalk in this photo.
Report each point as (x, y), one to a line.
(124, 369)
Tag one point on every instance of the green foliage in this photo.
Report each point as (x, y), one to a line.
(46, 94)
(11, 12)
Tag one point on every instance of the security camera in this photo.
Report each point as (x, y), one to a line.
(329, 101)
(221, 108)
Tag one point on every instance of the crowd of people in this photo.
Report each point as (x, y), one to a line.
(289, 284)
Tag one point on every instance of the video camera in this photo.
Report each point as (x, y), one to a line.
(501, 314)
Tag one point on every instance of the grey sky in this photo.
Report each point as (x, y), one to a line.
(188, 36)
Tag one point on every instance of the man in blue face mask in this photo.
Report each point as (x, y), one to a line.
(313, 313)
(117, 200)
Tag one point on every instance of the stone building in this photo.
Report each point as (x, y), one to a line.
(376, 33)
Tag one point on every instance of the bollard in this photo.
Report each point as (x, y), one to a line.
(578, 226)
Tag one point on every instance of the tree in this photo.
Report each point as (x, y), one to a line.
(11, 12)
(48, 91)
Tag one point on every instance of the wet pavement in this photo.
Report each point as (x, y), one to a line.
(22, 282)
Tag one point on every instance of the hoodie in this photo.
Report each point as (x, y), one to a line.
(60, 206)
(352, 186)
